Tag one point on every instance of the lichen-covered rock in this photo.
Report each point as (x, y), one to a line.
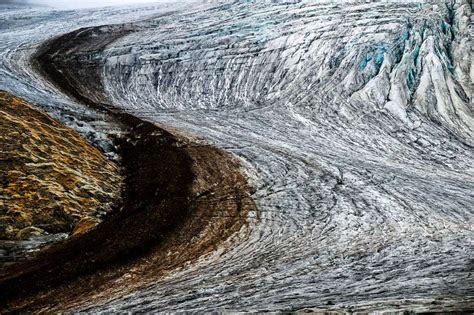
(50, 177)
(84, 225)
(29, 232)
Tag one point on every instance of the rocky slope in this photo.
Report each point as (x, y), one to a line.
(354, 121)
(53, 181)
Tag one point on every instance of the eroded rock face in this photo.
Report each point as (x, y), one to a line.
(52, 180)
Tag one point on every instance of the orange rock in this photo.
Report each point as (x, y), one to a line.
(51, 179)
(84, 225)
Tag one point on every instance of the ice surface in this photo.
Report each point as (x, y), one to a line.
(354, 121)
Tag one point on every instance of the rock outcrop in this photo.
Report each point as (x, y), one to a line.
(52, 180)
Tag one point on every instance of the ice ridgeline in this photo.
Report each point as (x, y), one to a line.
(354, 121)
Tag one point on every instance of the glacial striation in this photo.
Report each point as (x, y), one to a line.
(353, 121)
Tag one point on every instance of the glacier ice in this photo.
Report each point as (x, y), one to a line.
(353, 119)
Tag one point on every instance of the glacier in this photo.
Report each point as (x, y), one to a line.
(353, 121)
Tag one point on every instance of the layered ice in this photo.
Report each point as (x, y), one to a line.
(354, 121)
